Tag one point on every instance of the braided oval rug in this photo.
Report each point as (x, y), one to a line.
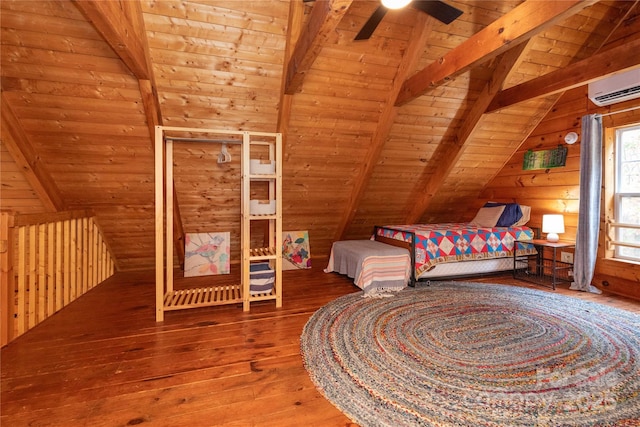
(471, 354)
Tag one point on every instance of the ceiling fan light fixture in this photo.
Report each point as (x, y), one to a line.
(436, 8)
(395, 4)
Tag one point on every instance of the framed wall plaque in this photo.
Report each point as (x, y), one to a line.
(545, 159)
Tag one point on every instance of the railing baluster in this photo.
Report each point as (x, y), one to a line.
(56, 259)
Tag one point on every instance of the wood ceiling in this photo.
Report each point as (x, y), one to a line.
(408, 126)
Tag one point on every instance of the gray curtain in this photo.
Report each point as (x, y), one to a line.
(589, 215)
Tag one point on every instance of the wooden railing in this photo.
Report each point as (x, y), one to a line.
(46, 262)
(612, 242)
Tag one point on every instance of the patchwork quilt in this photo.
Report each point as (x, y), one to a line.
(452, 242)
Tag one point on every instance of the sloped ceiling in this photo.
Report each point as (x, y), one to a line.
(407, 126)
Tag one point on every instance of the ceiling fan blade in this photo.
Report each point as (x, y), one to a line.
(438, 9)
(372, 23)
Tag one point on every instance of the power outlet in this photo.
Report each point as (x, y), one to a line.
(566, 257)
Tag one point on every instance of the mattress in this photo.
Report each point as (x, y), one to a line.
(375, 267)
(469, 268)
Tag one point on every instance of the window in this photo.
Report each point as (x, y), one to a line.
(627, 193)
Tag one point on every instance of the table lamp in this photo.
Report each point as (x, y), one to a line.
(552, 224)
(395, 4)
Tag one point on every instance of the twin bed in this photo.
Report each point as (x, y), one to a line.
(401, 255)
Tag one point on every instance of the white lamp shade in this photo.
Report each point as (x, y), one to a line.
(395, 4)
(552, 224)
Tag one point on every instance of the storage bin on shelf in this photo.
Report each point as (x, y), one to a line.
(262, 167)
(262, 207)
(261, 278)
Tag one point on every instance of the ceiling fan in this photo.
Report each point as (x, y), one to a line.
(438, 9)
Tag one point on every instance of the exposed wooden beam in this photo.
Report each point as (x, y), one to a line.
(325, 17)
(294, 28)
(154, 118)
(523, 22)
(25, 156)
(113, 21)
(447, 155)
(600, 65)
(618, 21)
(410, 59)
(121, 24)
(150, 103)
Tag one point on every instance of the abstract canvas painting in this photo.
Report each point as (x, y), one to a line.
(206, 254)
(295, 249)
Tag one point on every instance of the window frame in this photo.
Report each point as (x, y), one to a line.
(614, 174)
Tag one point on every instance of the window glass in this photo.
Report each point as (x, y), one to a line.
(627, 197)
(629, 160)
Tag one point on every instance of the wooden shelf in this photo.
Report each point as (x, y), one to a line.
(202, 297)
(259, 217)
(257, 254)
(267, 296)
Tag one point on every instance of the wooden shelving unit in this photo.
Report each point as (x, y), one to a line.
(269, 147)
(267, 185)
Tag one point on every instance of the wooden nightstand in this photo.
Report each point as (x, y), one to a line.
(552, 264)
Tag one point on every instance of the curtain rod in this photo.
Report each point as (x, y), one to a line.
(621, 111)
(219, 141)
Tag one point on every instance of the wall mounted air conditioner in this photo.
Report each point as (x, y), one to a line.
(616, 88)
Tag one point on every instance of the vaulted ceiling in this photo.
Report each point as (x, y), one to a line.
(406, 126)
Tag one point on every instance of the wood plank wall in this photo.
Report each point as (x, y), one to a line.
(219, 64)
(80, 109)
(557, 190)
(16, 190)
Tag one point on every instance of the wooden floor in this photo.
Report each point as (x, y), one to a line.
(103, 360)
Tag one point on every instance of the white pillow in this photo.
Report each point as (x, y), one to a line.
(488, 217)
(526, 215)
